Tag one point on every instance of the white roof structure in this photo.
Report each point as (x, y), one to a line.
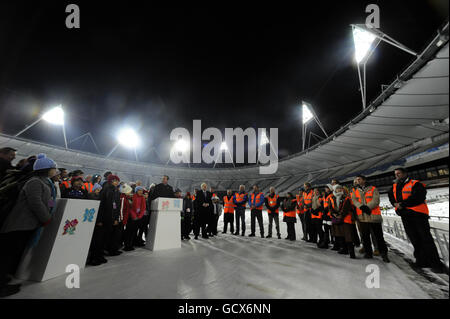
(410, 116)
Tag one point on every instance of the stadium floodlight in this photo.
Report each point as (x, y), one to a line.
(128, 138)
(306, 113)
(264, 139)
(224, 146)
(363, 42)
(366, 39)
(53, 116)
(181, 145)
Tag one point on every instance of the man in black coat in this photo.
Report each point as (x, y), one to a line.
(106, 232)
(416, 223)
(203, 211)
(162, 190)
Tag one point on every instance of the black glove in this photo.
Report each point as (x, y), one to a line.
(366, 210)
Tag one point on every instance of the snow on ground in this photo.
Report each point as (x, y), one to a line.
(229, 266)
(437, 199)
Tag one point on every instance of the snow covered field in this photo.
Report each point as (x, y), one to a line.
(229, 266)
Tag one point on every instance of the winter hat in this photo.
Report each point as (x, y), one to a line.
(43, 162)
(96, 186)
(126, 189)
(138, 188)
(113, 177)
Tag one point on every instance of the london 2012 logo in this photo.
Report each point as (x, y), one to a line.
(70, 227)
(88, 215)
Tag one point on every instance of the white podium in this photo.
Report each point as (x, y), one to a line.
(63, 242)
(165, 225)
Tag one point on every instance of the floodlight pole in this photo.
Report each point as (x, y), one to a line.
(29, 126)
(64, 133)
(89, 135)
(305, 125)
(112, 151)
(380, 37)
(220, 154)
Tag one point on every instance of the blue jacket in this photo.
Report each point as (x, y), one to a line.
(256, 203)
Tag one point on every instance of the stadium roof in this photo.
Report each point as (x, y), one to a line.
(408, 117)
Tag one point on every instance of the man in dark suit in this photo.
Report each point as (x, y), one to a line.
(162, 190)
(203, 211)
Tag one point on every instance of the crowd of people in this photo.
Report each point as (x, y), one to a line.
(332, 215)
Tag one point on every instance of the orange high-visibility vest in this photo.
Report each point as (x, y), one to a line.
(327, 203)
(240, 198)
(66, 184)
(228, 205)
(320, 213)
(369, 197)
(255, 199)
(406, 192)
(300, 209)
(307, 200)
(273, 202)
(348, 217)
(88, 187)
(290, 213)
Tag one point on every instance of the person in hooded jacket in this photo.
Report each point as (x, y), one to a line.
(23, 226)
(342, 209)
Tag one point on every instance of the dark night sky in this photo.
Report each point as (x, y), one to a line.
(156, 68)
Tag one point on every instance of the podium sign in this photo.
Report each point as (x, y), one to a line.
(64, 241)
(165, 224)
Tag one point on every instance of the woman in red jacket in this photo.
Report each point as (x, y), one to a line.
(126, 199)
(137, 211)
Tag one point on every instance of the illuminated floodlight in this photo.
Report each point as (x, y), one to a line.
(181, 146)
(128, 138)
(264, 139)
(223, 146)
(54, 116)
(306, 114)
(363, 42)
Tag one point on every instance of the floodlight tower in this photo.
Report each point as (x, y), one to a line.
(224, 148)
(53, 116)
(129, 139)
(180, 145)
(308, 115)
(366, 40)
(265, 140)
